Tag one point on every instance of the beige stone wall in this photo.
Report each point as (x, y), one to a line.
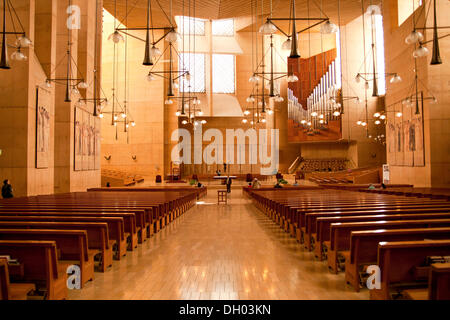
(45, 24)
(436, 172)
(145, 103)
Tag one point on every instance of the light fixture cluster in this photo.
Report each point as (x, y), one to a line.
(22, 41)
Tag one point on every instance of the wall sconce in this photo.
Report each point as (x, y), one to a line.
(108, 157)
(134, 158)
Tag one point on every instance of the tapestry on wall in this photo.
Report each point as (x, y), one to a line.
(406, 137)
(87, 141)
(42, 129)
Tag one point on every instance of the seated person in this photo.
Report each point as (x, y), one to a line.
(218, 172)
(256, 184)
(199, 185)
(278, 186)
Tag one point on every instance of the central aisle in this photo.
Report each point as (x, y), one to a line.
(219, 252)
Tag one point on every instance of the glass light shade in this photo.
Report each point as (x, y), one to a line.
(75, 91)
(303, 121)
(187, 76)
(154, 51)
(263, 120)
(309, 123)
(382, 117)
(321, 121)
(407, 102)
(270, 112)
(168, 101)
(321, 116)
(175, 85)
(434, 100)
(358, 122)
(314, 114)
(252, 122)
(396, 79)
(358, 100)
(253, 78)
(373, 10)
(18, 56)
(178, 113)
(358, 78)
(398, 114)
(420, 52)
(173, 36)
(23, 42)
(246, 112)
(83, 85)
(268, 28)
(48, 84)
(287, 45)
(195, 123)
(200, 113)
(116, 37)
(414, 37)
(100, 115)
(203, 121)
(127, 125)
(364, 123)
(115, 124)
(244, 121)
(377, 122)
(336, 113)
(192, 116)
(376, 115)
(115, 117)
(150, 77)
(256, 114)
(250, 99)
(292, 78)
(366, 85)
(328, 27)
(279, 99)
(123, 115)
(184, 122)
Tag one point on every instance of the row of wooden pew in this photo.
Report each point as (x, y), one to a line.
(353, 230)
(120, 178)
(46, 235)
(351, 176)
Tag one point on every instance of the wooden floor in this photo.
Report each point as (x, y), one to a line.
(219, 252)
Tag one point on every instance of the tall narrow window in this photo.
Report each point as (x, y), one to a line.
(188, 25)
(223, 27)
(195, 64)
(381, 67)
(223, 73)
(406, 8)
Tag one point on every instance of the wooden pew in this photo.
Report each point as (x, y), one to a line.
(401, 264)
(438, 285)
(364, 247)
(98, 238)
(72, 246)
(132, 220)
(339, 245)
(323, 222)
(41, 265)
(115, 226)
(12, 291)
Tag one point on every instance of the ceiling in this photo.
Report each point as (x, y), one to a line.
(222, 9)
